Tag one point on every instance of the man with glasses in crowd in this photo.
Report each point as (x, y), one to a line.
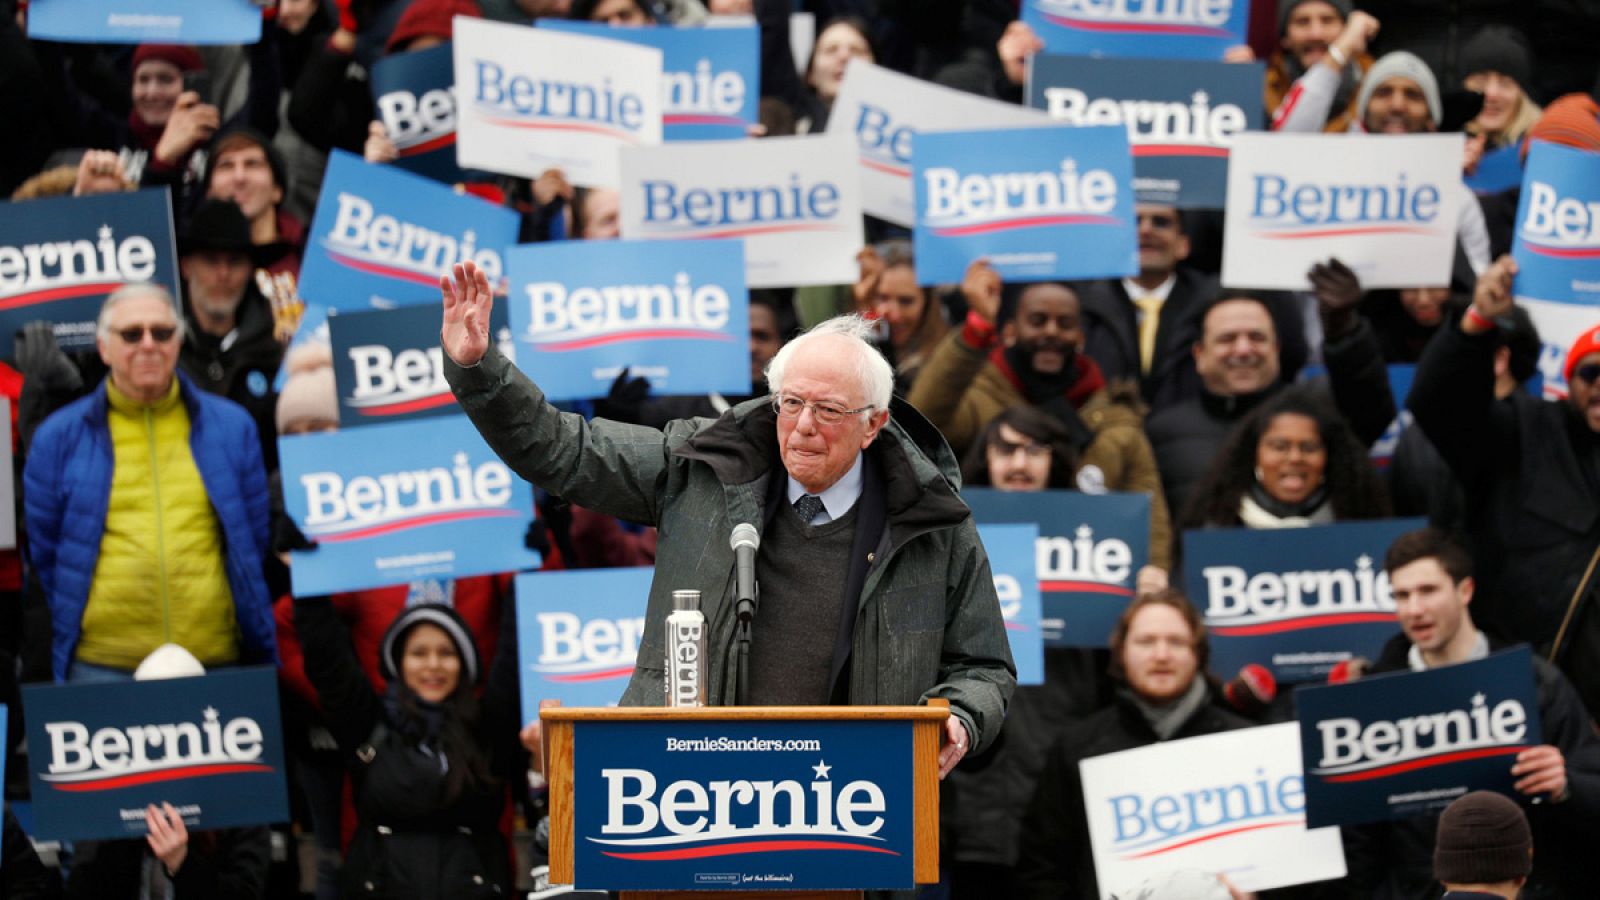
(146, 506)
(874, 588)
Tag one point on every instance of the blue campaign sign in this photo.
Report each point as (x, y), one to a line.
(1057, 204)
(1296, 600)
(578, 635)
(59, 258)
(1406, 744)
(414, 94)
(711, 77)
(707, 805)
(146, 21)
(1498, 170)
(1557, 242)
(1012, 561)
(675, 313)
(1090, 549)
(401, 501)
(1189, 29)
(1181, 117)
(388, 367)
(211, 745)
(1400, 377)
(382, 236)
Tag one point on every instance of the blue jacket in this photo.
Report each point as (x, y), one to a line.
(67, 488)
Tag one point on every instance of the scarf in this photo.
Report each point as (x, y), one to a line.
(1258, 509)
(420, 725)
(1166, 718)
(1060, 394)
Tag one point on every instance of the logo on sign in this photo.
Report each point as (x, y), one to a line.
(1084, 564)
(1280, 208)
(884, 145)
(1155, 128)
(419, 124)
(517, 101)
(1240, 604)
(391, 384)
(974, 204)
(1353, 752)
(371, 505)
(1562, 227)
(572, 650)
(383, 245)
(112, 758)
(1194, 18)
(56, 270)
(742, 211)
(586, 317)
(1149, 825)
(703, 96)
(693, 820)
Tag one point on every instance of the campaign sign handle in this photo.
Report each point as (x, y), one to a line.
(211, 745)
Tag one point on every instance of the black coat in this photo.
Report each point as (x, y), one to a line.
(409, 842)
(243, 369)
(1055, 859)
(1531, 471)
(1111, 336)
(22, 875)
(1400, 853)
(227, 862)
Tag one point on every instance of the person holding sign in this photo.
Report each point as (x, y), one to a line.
(1163, 692)
(1036, 357)
(1431, 577)
(1531, 464)
(839, 479)
(1321, 61)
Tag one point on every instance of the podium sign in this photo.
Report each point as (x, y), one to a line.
(699, 803)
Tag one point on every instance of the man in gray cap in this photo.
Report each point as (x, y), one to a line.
(1484, 848)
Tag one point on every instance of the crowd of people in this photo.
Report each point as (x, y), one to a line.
(153, 542)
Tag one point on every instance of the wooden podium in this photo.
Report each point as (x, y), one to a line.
(925, 723)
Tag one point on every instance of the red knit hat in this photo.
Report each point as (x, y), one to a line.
(185, 58)
(1572, 121)
(1587, 343)
(429, 18)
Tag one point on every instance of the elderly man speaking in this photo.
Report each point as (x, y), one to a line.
(874, 587)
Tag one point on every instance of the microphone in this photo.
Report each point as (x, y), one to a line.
(745, 541)
(1252, 690)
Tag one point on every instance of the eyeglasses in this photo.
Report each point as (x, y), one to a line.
(1032, 449)
(160, 333)
(789, 406)
(1587, 373)
(1158, 220)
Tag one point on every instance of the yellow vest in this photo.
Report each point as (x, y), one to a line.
(161, 576)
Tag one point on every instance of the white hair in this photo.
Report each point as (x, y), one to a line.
(129, 291)
(872, 372)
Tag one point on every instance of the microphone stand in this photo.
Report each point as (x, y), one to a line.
(745, 611)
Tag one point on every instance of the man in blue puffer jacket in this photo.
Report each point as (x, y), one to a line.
(146, 505)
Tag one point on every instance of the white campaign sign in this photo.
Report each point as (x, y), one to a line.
(1386, 205)
(795, 201)
(528, 100)
(882, 110)
(1231, 803)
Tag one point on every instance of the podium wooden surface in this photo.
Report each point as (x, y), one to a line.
(927, 729)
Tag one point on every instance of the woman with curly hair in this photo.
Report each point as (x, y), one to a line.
(1294, 462)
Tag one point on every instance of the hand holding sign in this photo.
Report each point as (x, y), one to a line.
(467, 302)
(981, 285)
(191, 124)
(1541, 770)
(169, 839)
(1018, 43)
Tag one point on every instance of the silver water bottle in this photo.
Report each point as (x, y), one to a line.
(686, 651)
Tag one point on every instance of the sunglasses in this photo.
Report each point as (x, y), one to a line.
(1587, 373)
(159, 333)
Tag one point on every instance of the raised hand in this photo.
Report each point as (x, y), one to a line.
(980, 285)
(467, 301)
(1492, 298)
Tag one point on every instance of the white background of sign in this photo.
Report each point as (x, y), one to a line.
(776, 259)
(1252, 860)
(587, 158)
(1381, 260)
(1559, 324)
(920, 106)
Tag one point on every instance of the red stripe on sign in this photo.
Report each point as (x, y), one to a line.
(566, 126)
(1564, 252)
(662, 334)
(408, 406)
(738, 849)
(578, 677)
(138, 778)
(60, 293)
(1084, 587)
(1343, 232)
(1179, 150)
(1211, 837)
(428, 146)
(1012, 224)
(1136, 27)
(742, 232)
(886, 168)
(418, 522)
(372, 268)
(1297, 624)
(699, 119)
(1411, 765)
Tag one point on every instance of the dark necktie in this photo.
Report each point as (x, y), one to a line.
(808, 507)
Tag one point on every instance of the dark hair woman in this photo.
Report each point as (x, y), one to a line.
(839, 41)
(1022, 449)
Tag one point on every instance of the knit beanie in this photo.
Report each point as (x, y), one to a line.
(1571, 121)
(1498, 48)
(1400, 64)
(1483, 838)
(308, 391)
(1587, 343)
(187, 59)
(429, 18)
(393, 646)
(1287, 7)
